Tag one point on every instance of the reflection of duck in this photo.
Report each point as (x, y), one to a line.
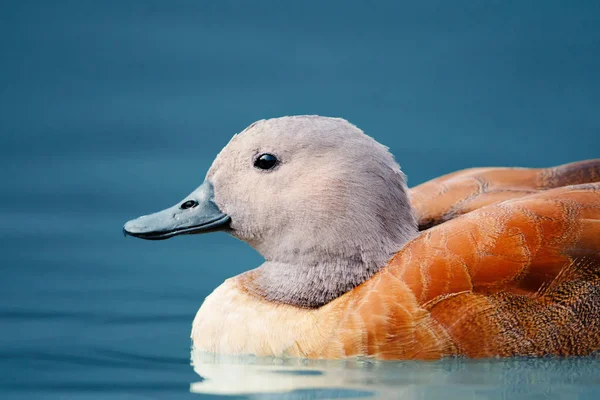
(233, 375)
(481, 262)
(449, 378)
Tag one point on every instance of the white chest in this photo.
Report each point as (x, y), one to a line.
(232, 322)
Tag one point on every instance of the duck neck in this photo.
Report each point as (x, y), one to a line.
(310, 263)
(311, 283)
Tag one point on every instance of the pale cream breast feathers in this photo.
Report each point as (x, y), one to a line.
(231, 321)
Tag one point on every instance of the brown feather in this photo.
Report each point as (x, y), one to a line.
(448, 196)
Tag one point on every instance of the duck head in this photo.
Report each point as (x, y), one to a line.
(315, 196)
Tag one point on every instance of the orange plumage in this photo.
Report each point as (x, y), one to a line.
(507, 265)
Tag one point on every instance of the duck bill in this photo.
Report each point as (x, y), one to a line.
(197, 213)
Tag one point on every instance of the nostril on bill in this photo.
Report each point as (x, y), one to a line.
(189, 204)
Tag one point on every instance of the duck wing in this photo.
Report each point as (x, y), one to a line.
(519, 277)
(560, 319)
(516, 245)
(451, 195)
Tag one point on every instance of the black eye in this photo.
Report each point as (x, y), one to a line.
(265, 161)
(189, 204)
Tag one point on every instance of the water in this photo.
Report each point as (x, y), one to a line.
(113, 109)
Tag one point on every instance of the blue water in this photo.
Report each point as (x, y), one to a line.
(113, 109)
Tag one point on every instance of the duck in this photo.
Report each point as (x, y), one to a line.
(482, 262)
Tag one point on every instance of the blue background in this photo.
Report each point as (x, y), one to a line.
(113, 109)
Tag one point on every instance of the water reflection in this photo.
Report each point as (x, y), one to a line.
(451, 378)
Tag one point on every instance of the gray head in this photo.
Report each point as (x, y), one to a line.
(314, 195)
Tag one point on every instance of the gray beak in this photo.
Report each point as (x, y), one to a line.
(197, 213)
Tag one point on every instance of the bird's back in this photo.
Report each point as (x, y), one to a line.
(457, 193)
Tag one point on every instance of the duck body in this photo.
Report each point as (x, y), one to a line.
(484, 262)
(513, 272)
